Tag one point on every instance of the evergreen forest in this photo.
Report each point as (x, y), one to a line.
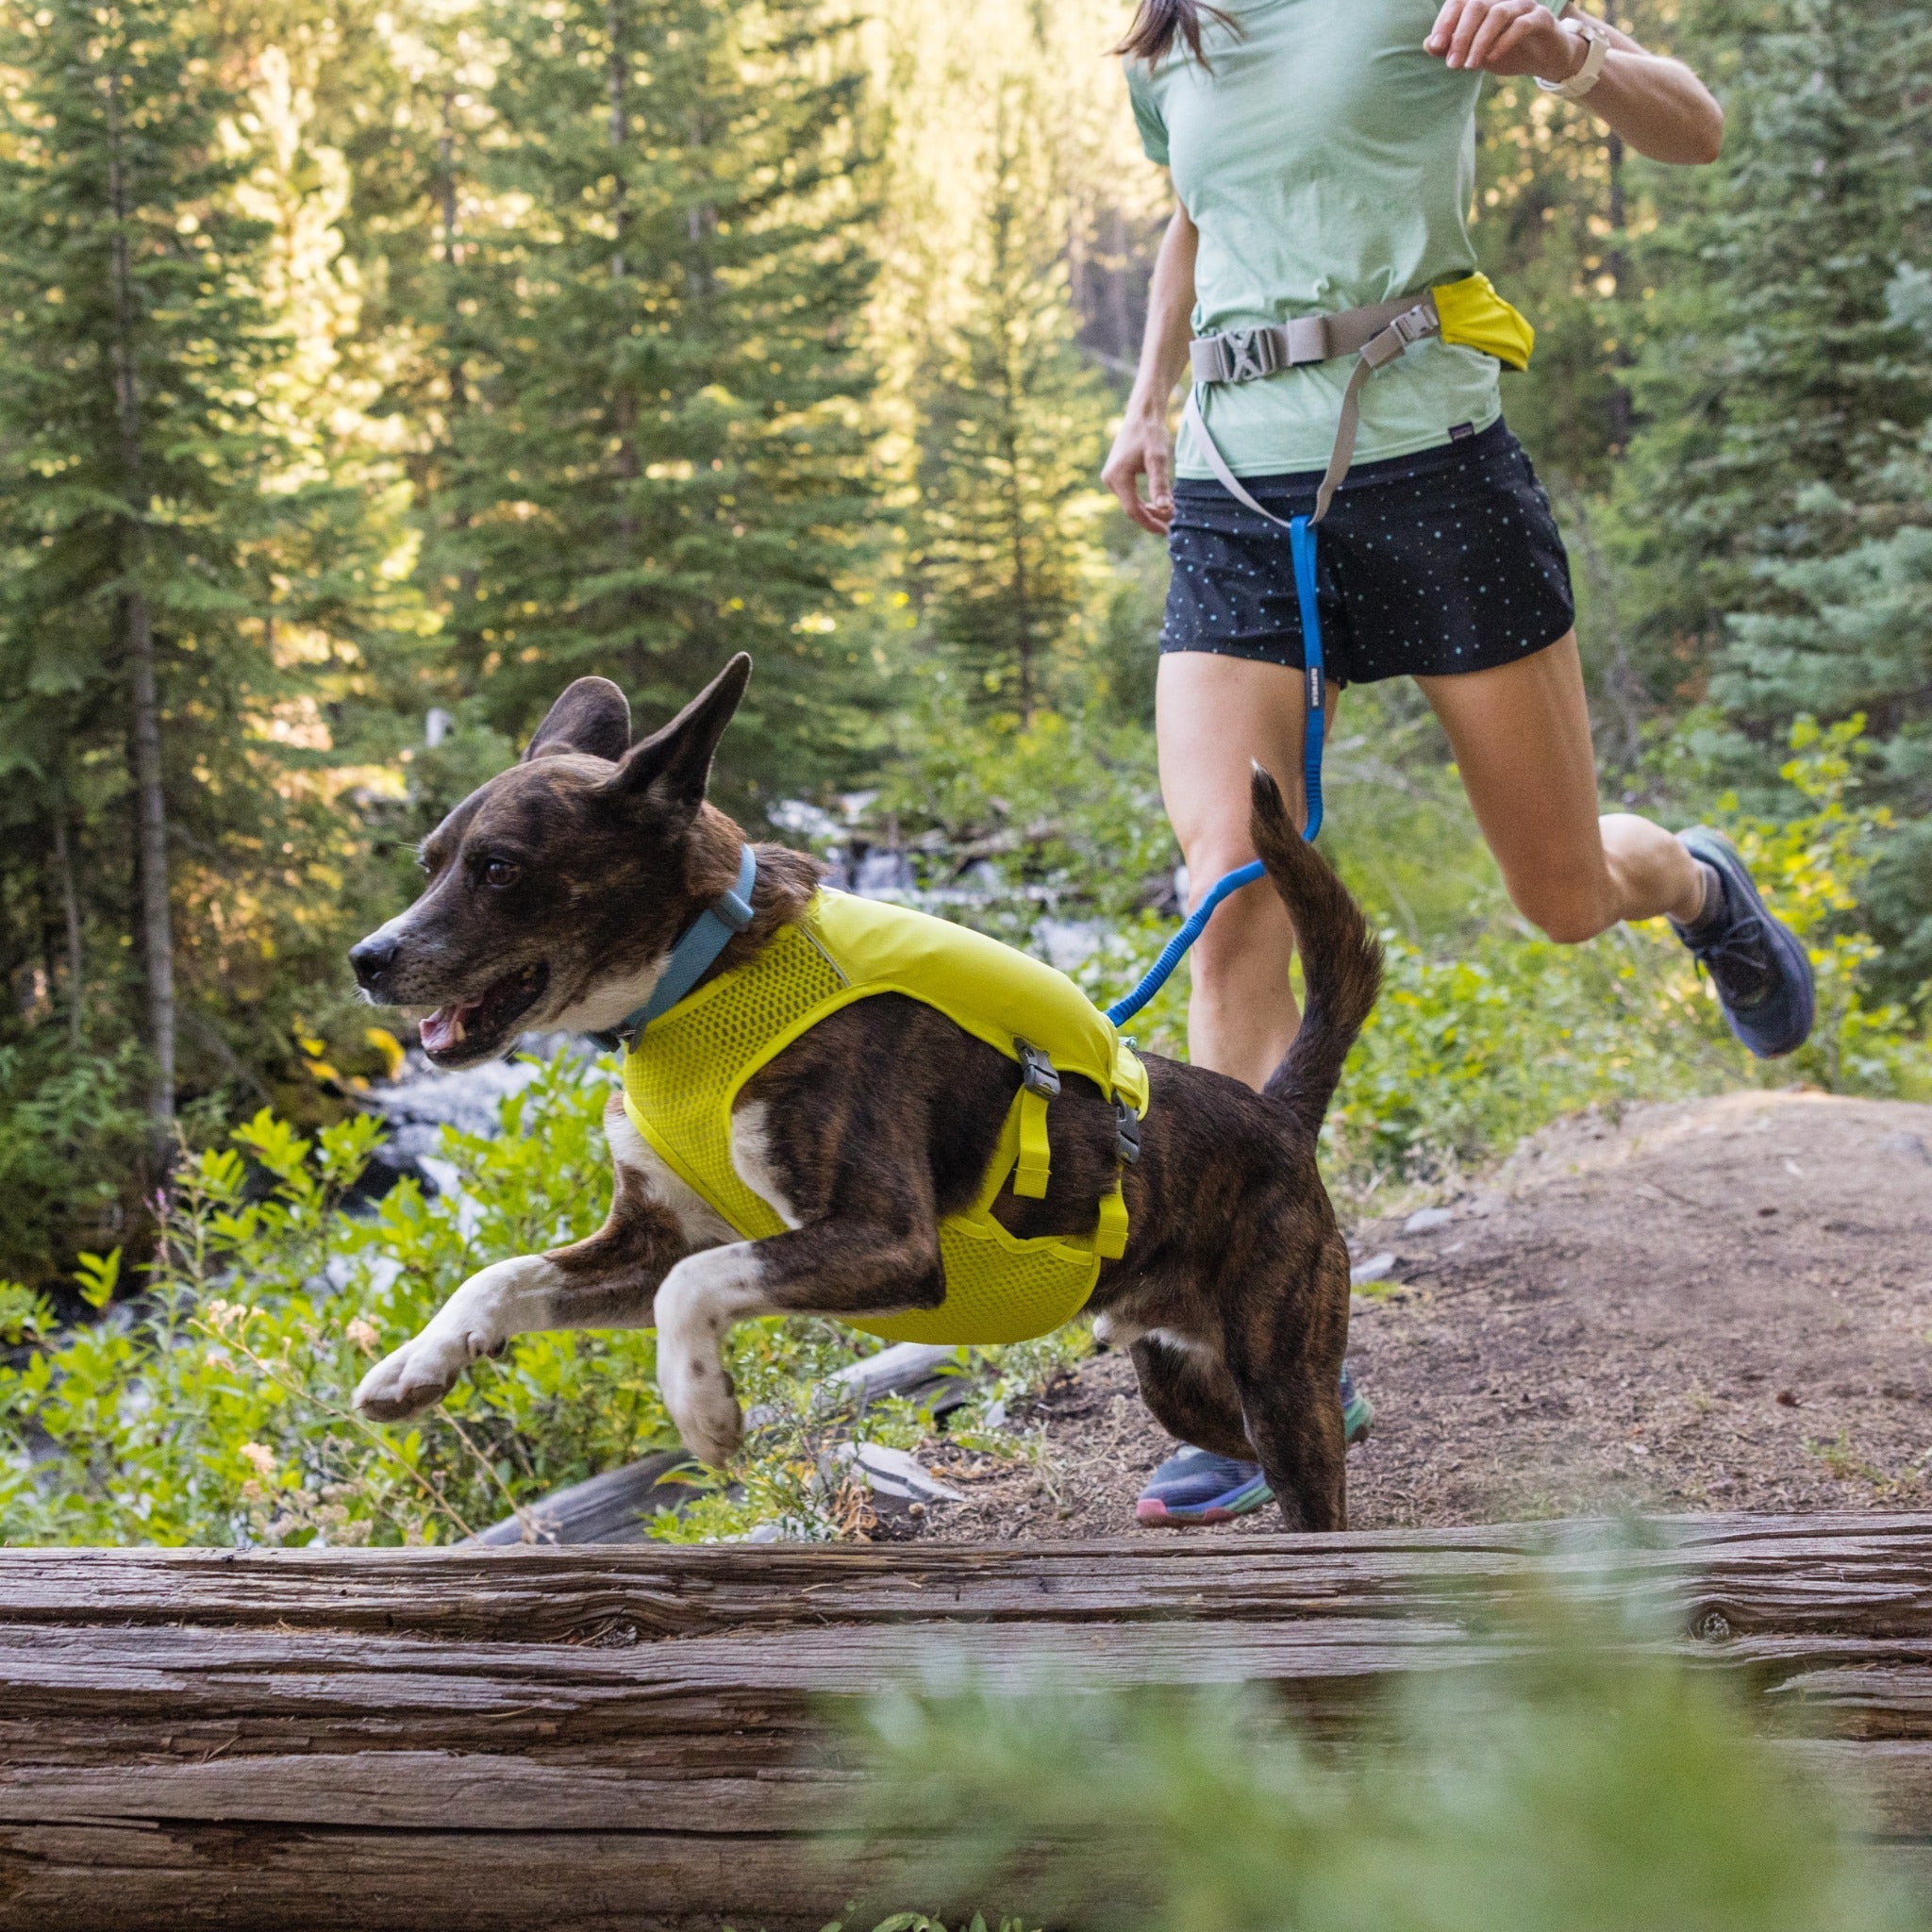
(368, 372)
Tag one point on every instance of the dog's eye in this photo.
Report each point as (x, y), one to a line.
(499, 872)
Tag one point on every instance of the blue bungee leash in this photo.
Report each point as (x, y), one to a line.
(1301, 543)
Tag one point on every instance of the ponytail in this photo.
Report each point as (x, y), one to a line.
(1158, 23)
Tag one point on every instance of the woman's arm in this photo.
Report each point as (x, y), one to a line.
(1143, 443)
(1658, 105)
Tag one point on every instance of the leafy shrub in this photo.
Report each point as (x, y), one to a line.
(1582, 1787)
(215, 1408)
(72, 1136)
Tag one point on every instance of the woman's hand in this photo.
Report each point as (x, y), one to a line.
(1142, 448)
(1505, 36)
(1657, 104)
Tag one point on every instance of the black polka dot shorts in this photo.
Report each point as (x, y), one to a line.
(1429, 564)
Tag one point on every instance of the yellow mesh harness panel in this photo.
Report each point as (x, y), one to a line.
(685, 1068)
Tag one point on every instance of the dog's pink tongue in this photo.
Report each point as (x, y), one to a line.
(443, 1030)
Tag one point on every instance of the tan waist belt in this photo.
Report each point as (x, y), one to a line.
(1466, 311)
(1374, 336)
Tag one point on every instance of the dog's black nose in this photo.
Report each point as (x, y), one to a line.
(371, 958)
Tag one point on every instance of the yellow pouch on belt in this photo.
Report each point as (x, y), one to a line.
(1474, 316)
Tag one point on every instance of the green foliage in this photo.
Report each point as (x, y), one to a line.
(1005, 539)
(1473, 1046)
(70, 1130)
(215, 1410)
(180, 455)
(1581, 1784)
(1856, 644)
(1781, 390)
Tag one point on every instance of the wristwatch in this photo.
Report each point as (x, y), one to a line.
(1598, 50)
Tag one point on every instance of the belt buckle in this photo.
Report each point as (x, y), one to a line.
(1244, 355)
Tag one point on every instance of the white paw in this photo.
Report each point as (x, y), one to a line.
(420, 1373)
(699, 1300)
(704, 1407)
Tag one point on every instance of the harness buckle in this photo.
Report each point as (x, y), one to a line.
(1037, 1074)
(1126, 1133)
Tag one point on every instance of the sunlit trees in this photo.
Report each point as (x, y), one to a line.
(191, 562)
(1014, 428)
(661, 457)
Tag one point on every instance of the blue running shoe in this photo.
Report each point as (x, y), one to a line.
(1757, 964)
(1196, 1486)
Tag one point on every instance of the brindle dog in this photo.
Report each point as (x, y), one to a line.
(555, 893)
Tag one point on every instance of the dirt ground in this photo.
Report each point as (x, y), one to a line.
(1720, 1305)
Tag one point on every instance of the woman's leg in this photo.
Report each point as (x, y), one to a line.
(1521, 735)
(1213, 716)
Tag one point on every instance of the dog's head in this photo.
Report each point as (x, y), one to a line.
(557, 891)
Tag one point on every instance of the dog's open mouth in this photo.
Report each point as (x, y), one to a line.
(474, 1026)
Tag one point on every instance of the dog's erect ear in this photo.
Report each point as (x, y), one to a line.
(593, 716)
(674, 765)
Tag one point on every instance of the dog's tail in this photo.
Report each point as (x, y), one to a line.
(1342, 961)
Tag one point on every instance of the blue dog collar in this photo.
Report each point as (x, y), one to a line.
(693, 957)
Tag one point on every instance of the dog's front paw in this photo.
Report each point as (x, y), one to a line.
(704, 1407)
(417, 1376)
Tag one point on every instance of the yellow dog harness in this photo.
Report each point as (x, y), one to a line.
(687, 1065)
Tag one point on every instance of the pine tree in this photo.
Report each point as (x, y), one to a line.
(190, 569)
(1777, 491)
(1779, 391)
(1006, 545)
(1859, 641)
(661, 453)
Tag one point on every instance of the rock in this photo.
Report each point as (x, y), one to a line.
(899, 1484)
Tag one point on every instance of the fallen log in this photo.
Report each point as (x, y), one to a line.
(636, 1737)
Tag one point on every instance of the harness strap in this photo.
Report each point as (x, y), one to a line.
(1111, 1233)
(693, 957)
(1035, 1165)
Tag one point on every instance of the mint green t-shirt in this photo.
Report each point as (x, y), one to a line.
(1328, 162)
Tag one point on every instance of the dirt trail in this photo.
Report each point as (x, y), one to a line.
(1719, 1305)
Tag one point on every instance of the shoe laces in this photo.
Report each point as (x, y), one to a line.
(1738, 958)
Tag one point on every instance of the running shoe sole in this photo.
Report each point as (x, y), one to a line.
(1252, 1495)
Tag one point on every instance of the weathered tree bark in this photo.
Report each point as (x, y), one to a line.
(638, 1738)
(150, 793)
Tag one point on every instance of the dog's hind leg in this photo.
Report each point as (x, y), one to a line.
(1286, 1360)
(1192, 1395)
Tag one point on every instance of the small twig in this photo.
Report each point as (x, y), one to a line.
(522, 1515)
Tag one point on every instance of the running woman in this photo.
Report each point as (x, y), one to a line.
(1323, 154)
